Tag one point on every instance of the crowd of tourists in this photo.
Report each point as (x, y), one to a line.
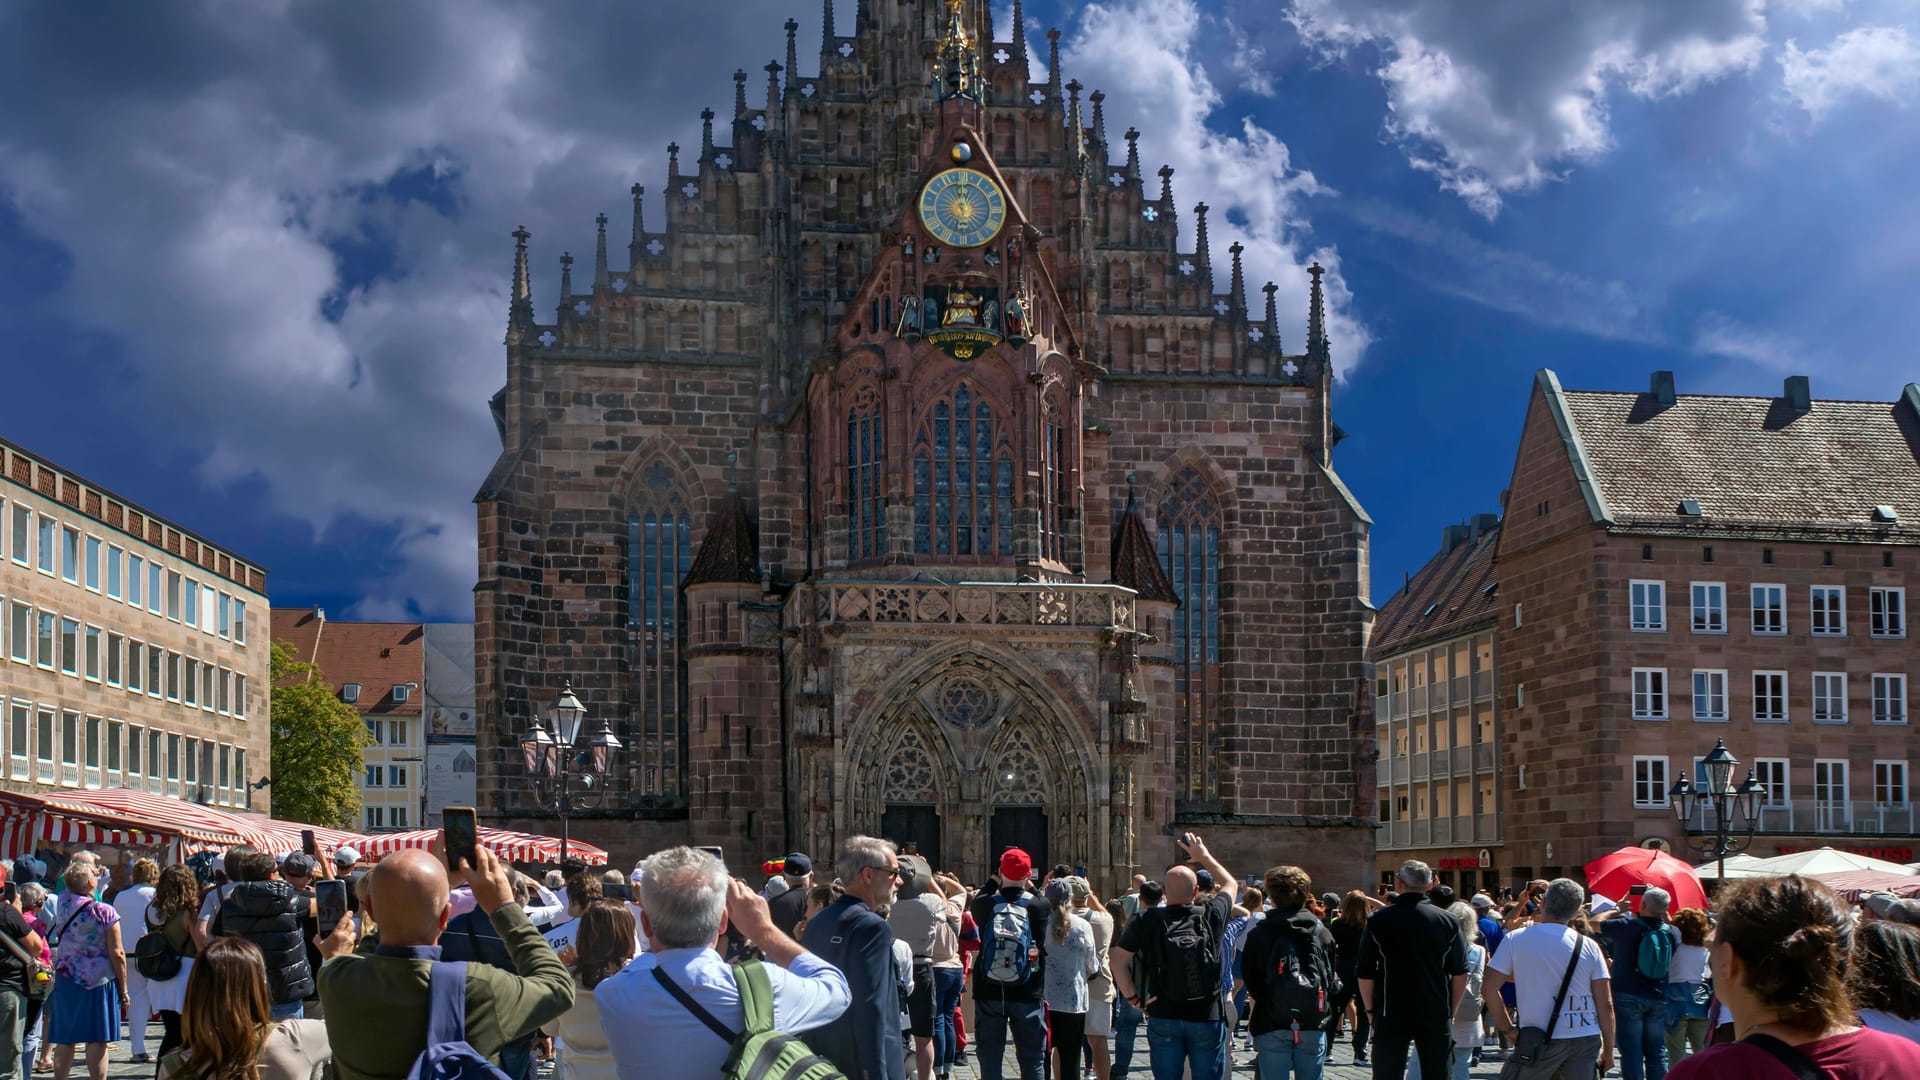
(883, 966)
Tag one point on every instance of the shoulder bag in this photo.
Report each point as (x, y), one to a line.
(1532, 1041)
(39, 980)
(1789, 1055)
(153, 954)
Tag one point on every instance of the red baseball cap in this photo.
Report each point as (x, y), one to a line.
(1016, 866)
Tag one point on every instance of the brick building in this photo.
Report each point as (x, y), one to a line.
(128, 652)
(1437, 711)
(1676, 569)
(916, 475)
(378, 668)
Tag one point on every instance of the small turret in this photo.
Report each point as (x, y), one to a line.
(1020, 36)
(739, 95)
(1237, 290)
(673, 165)
(706, 137)
(520, 306)
(793, 72)
(1202, 254)
(1272, 336)
(1099, 124)
(773, 93)
(1133, 153)
(1316, 316)
(566, 279)
(1053, 65)
(826, 28)
(600, 253)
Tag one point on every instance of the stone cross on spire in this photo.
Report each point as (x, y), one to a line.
(1272, 341)
(1201, 253)
(792, 71)
(600, 253)
(566, 278)
(1316, 316)
(520, 307)
(1237, 290)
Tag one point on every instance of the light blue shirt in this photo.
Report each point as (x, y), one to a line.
(651, 1034)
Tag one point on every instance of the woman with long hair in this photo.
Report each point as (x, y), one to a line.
(230, 1032)
(1780, 951)
(1068, 948)
(89, 970)
(174, 912)
(1884, 978)
(1347, 929)
(602, 945)
(1687, 991)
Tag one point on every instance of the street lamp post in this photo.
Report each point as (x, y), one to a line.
(568, 774)
(1736, 810)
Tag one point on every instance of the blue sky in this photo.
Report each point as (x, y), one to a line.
(253, 259)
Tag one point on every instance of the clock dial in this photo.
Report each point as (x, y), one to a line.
(962, 208)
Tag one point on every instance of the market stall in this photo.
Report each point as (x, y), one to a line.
(126, 818)
(505, 843)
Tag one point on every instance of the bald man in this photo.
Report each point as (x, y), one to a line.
(376, 1006)
(1180, 948)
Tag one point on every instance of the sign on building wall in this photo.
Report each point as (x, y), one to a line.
(451, 773)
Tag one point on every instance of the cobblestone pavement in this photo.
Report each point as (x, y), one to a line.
(119, 1068)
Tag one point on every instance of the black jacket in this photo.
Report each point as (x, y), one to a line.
(865, 1043)
(268, 913)
(1314, 944)
(1412, 949)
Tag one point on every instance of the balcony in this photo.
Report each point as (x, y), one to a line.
(1486, 757)
(1419, 704)
(1418, 769)
(1461, 829)
(1482, 685)
(1486, 828)
(1811, 817)
(1460, 689)
(1439, 694)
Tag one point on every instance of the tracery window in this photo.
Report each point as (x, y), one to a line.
(866, 498)
(1190, 549)
(659, 553)
(1058, 497)
(963, 479)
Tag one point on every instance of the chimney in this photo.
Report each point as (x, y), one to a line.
(1662, 389)
(320, 614)
(1452, 536)
(1799, 395)
(1484, 524)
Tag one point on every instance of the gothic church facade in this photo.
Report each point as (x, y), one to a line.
(915, 476)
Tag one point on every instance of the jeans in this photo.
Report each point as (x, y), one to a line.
(992, 1017)
(1281, 1058)
(1432, 1042)
(1173, 1045)
(1640, 1034)
(13, 1034)
(946, 1003)
(1126, 1029)
(292, 1010)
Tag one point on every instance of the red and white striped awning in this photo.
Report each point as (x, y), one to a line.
(145, 811)
(505, 843)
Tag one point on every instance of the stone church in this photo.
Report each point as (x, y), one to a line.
(915, 475)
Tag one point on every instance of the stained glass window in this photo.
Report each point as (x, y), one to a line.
(963, 479)
(1190, 549)
(659, 553)
(866, 499)
(1059, 496)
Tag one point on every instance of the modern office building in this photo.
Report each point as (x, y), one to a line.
(1679, 569)
(128, 652)
(1437, 712)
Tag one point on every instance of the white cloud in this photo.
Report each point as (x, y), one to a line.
(1719, 334)
(1497, 97)
(1146, 55)
(1869, 61)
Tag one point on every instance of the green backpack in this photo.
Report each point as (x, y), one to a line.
(759, 1052)
(1655, 957)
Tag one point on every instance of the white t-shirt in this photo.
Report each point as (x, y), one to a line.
(1689, 964)
(132, 903)
(1535, 958)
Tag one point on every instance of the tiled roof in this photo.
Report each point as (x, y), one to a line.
(377, 655)
(1459, 585)
(1751, 462)
(1136, 564)
(731, 549)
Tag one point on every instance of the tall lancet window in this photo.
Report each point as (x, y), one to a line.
(963, 479)
(866, 499)
(1190, 550)
(659, 552)
(1057, 505)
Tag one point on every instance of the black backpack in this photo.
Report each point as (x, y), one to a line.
(1189, 962)
(1300, 979)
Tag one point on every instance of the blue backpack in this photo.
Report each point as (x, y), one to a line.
(1006, 950)
(448, 1055)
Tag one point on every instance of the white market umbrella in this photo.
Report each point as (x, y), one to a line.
(1824, 860)
(1737, 867)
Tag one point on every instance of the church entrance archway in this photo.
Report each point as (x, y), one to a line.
(1024, 827)
(914, 829)
(969, 756)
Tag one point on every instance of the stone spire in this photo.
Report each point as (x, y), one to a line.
(600, 253)
(773, 93)
(1076, 134)
(793, 72)
(1316, 316)
(1272, 339)
(1136, 563)
(730, 551)
(706, 136)
(1201, 253)
(566, 278)
(1166, 188)
(739, 94)
(959, 56)
(1099, 123)
(673, 165)
(826, 27)
(1133, 153)
(1020, 36)
(639, 214)
(520, 308)
(1053, 64)
(1237, 291)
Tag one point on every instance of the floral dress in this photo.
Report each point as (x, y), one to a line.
(85, 1004)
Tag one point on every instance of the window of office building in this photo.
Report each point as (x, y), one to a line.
(1887, 610)
(1889, 698)
(1649, 693)
(1649, 604)
(1769, 609)
(1649, 782)
(1709, 607)
(1709, 695)
(1829, 606)
(1770, 695)
(1830, 697)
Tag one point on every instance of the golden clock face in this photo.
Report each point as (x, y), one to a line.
(962, 208)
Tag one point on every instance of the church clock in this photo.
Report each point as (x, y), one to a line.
(962, 208)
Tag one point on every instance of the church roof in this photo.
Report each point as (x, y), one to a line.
(730, 551)
(1136, 564)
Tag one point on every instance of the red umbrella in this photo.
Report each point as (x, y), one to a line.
(1613, 876)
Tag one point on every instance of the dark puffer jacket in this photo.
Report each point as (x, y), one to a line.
(267, 913)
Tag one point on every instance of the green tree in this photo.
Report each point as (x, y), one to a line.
(318, 743)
